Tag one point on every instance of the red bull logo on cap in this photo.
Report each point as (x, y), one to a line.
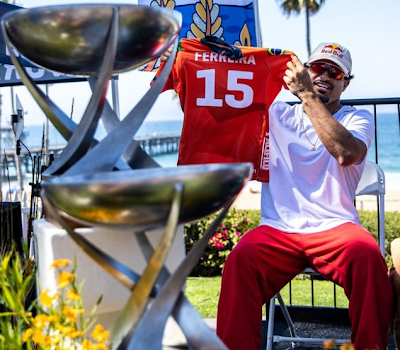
(333, 49)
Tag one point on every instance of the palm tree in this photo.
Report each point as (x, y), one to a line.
(295, 6)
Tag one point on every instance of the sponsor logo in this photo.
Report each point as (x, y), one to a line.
(334, 50)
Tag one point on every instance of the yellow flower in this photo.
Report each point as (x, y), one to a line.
(69, 312)
(99, 334)
(329, 344)
(87, 345)
(38, 337)
(60, 262)
(41, 321)
(72, 295)
(46, 299)
(55, 338)
(76, 334)
(65, 279)
(66, 330)
(98, 328)
(27, 334)
(53, 318)
(347, 346)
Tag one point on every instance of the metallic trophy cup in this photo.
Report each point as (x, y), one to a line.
(82, 185)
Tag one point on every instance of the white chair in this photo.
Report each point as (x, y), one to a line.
(372, 182)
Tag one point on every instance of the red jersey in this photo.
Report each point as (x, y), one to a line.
(225, 103)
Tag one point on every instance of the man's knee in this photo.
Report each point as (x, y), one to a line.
(365, 255)
(363, 248)
(244, 252)
(248, 256)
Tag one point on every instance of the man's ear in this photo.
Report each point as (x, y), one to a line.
(346, 84)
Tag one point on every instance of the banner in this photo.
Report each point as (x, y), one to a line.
(9, 75)
(235, 21)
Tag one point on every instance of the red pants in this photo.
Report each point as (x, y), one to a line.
(266, 259)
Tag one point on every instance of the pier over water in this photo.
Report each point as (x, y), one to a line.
(154, 145)
(159, 145)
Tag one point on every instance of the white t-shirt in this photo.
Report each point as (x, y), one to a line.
(309, 191)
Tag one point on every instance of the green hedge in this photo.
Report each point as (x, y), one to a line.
(238, 222)
(369, 220)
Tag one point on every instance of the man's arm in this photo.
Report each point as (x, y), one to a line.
(340, 143)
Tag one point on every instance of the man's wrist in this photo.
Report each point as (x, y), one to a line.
(306, 96)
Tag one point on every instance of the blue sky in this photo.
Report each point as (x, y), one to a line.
(370, 29)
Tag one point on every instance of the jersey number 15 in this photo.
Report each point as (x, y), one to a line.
(210, 100)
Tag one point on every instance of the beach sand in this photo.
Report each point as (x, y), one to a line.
(250, 197)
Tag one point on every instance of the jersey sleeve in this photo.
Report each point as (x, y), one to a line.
(277, 64)
(172, 82)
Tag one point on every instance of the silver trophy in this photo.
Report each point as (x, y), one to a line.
(82, 186)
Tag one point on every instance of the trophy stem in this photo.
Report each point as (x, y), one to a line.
(130, 316)
(197, 333)
(134, 155)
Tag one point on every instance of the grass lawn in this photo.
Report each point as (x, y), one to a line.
(203, 293)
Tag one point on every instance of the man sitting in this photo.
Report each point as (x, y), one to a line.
(317, 156)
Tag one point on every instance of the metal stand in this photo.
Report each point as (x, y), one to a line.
(142, 322)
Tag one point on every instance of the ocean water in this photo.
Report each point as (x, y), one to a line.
(33, 135)
(388, 135)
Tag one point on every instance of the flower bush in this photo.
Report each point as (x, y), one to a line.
(228, 234)
(331, 344)
(55, 321)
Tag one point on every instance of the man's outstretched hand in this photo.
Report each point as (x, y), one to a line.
(297, 77)
(166, 54)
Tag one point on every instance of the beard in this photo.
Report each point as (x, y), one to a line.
(323, 98)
